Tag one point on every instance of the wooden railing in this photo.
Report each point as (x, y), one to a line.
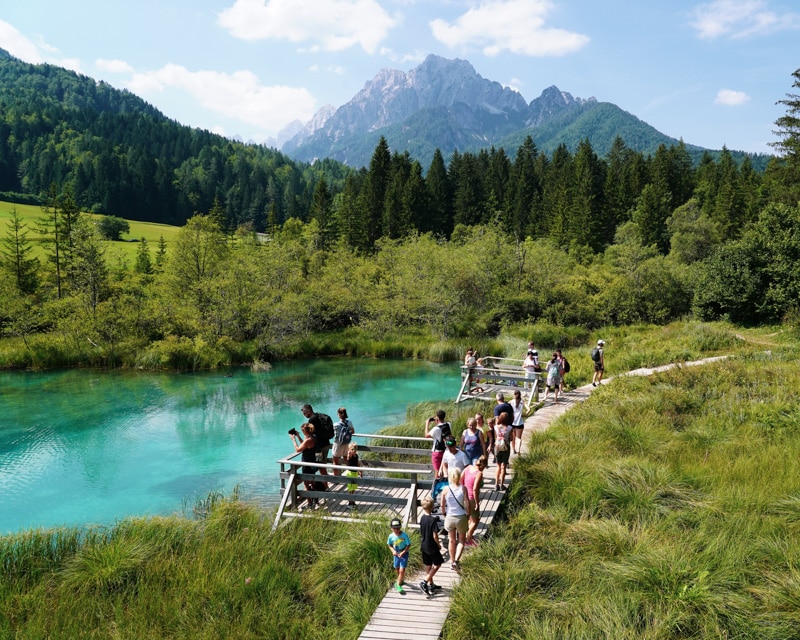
(397, 484)
(498, 374)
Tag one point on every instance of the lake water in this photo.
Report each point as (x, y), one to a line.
(91, 447)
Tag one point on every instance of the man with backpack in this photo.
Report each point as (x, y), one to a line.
(598, 355)
(323, 434)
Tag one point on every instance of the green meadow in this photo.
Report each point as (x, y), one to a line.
(663, 507)
(123, 250)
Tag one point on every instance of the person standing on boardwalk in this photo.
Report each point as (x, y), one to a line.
(307, 448)
(503, 407)
(437, 430)
(352, 461)
(472, 479)
(453, 458)
(322, 440)
(343, 433)
(518, 422)
(430, 546)
(531, 365)
(456, 509)
(399, 544)
(553, 377)
(503, 433)
(488, 434)
(599, 357)
(472, 442)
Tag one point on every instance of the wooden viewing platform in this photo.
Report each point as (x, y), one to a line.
(482, 382)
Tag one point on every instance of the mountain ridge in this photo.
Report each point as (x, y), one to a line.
(446, 104)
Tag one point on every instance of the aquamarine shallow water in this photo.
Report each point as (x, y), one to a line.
(83, 447)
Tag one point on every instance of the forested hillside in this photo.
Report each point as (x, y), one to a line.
(120, 156)
(455, 253)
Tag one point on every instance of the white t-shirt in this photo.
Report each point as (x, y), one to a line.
(518, 419)
(458, 460)
(436, 434)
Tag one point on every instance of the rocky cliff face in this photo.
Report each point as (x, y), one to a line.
(467, 107)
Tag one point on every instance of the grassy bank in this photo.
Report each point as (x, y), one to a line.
(663, 507)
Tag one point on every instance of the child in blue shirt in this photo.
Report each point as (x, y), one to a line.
(399, 544)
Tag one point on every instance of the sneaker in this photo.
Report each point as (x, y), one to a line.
(434, 587)
(497, 487)
(398, 588)
(455, 567)
(594, 384)
(502, 487)
(424, 586)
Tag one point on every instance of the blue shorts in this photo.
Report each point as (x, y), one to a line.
(401, 562)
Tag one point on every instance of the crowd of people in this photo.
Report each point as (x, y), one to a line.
(459, 461)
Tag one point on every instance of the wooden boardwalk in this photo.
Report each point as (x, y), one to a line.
(416, 616)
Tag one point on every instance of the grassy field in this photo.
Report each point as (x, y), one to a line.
(124, 249)
(662, 507)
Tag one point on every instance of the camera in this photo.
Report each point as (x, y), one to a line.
(294, 432)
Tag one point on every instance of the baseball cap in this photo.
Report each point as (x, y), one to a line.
(449, 441)
(396, 523)
(601, 342)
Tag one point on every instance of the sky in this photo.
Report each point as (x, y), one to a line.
(709, 72)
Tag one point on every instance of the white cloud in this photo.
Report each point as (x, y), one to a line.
(113, 66)
(740, 19)
(18, 45)
(514, 25)
(329, 25)
(731, 98)
(239, 96)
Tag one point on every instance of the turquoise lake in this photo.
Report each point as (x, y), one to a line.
(92, 447)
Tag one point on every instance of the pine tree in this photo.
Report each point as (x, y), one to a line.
(16, 258)
(788, 173)
(144, 264)
(440, 220)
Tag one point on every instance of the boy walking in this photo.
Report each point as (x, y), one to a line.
(399, 544)
(431, 549)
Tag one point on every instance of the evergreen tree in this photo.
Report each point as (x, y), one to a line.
(789, 146)
(321, 209)
(16, 257)
(440, 220)
(161, 254)
(144, 264)
(373, 195)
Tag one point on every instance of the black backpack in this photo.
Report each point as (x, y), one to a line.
(566, 365)
(446, 432)
(596, 354)
(327, 426)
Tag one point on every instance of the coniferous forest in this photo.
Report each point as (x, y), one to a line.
(271, 251)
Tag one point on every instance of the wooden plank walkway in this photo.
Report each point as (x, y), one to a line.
(414, 615)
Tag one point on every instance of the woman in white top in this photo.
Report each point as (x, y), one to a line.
(518, 422)
(456, 508)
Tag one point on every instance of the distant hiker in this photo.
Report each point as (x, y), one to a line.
(599, 357)
(565, 368)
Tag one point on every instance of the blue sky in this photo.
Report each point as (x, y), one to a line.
(708, 72)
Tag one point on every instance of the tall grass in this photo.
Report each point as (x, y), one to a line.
(663, 507)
